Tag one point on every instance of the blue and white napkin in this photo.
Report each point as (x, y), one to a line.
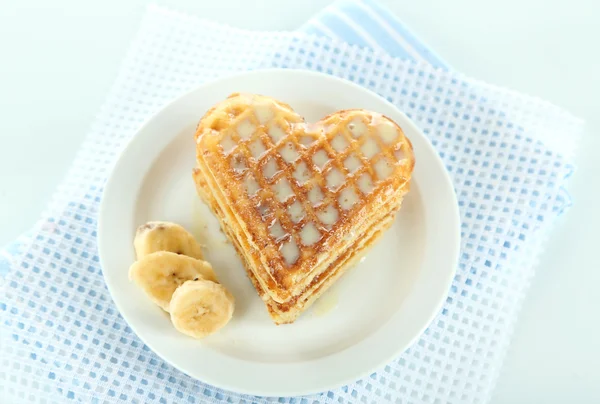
(509, 156)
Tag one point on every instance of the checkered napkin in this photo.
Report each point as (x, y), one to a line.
(508, 155)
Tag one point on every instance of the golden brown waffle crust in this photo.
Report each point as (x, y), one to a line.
(368, 162)
(288, 312)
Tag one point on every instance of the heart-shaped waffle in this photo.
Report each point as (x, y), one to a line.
(300, 202)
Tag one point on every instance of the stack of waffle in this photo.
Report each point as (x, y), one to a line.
(300, 202)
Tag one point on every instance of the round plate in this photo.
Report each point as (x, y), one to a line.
(366, 319)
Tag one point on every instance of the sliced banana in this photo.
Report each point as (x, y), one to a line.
(165, 236)
(200, 308)
(160, 273)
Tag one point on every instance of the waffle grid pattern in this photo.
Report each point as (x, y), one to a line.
(249, 147)
(63, 340)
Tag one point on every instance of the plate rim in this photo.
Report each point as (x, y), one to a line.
(447, 281)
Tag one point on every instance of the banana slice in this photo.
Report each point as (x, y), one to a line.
(200, 308)
(160, 273)
(165, 236)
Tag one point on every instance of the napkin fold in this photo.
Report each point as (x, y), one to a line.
(367, 24)
(508, 156)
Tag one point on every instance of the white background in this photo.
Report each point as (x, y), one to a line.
(58, 60)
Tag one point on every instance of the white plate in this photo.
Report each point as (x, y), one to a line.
(368, 318)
